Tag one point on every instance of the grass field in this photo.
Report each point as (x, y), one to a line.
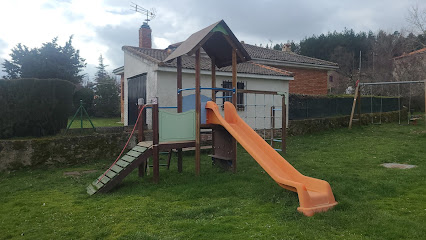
(374, 202)
(97, 122)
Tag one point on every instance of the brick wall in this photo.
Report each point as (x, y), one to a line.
(308, 81)
(145, 36)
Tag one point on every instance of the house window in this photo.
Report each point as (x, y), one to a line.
(228, 95)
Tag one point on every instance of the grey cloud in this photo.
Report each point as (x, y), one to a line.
(255, 22)
(115, 38)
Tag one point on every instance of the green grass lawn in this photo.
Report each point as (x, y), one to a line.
(97, 122)
(374, 202)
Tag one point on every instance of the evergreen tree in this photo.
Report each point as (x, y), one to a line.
(48, 61)
(107, 101)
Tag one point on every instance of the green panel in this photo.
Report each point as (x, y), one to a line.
(133, 153)
(139, 149)
(128, 158)
(177, 126)
(110, 174)
(116, 168)
(91, 190)
(220, 28)
(122, 163)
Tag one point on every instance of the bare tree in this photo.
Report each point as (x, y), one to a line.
(417, 20)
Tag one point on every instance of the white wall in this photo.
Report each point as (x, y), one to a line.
(134, 66)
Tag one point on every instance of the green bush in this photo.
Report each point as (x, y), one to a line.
(34, 107)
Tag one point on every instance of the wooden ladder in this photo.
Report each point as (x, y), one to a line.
(123, 167)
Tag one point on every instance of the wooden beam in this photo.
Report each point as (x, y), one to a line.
(234, 76)
(179, 84)
(179, 106)
(141, 134)
(155, 141)
(359, 106)
(234, 101)
(272, 125)
(141, 137)
(284, 126)
(258, 92)
(228, 39)
(197, 112)
(213, 79)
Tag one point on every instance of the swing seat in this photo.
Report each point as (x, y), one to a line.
(414, 120)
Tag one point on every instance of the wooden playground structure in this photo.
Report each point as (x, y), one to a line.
(183, 129)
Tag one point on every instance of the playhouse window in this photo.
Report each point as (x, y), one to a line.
(228, 95)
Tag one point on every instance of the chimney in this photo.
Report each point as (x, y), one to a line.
(286, 47)
(145, 36)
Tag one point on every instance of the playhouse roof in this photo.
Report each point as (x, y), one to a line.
(217, 40)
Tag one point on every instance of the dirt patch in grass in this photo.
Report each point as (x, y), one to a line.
(77, 174)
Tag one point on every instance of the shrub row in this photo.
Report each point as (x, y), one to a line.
(34, 107)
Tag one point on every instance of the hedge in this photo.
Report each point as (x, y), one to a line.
(34, 107)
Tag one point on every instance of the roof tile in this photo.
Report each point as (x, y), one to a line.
(188, 62)
(269, 54)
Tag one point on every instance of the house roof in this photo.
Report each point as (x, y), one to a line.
(420, 51)
(217, 40)
(261, 53)
(188, 62)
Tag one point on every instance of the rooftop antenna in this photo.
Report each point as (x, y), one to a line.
(150, 14)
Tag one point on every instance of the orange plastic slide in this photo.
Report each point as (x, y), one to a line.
(315, 195)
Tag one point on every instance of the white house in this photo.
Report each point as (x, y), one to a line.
(146, 75)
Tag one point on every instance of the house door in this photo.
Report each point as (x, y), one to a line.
(136, 89)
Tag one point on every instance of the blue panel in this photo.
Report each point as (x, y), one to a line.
(188, 103)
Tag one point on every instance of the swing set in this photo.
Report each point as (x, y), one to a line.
(357, 99)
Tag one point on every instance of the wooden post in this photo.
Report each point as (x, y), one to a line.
(141, 136)
(234, 76)
(155, 141)
(272, 125)
(179, 84)
(424, 83)
(179, 105)
(359, 106)
(234, 101)
(284, 126)
(197, 112)
(213, 79)
(353, 106)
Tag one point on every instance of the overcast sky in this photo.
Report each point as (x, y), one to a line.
(102, 27)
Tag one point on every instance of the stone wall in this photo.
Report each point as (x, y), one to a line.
(77, 146)
(61, 150)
